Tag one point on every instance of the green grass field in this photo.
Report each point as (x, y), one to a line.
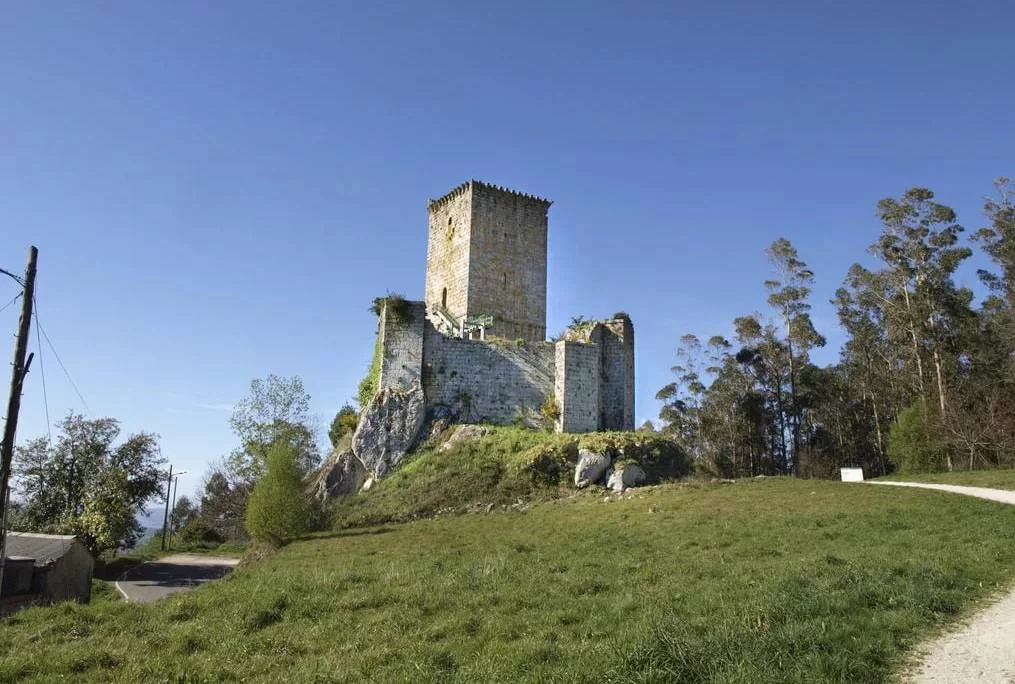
(768, 580)
(995, 479)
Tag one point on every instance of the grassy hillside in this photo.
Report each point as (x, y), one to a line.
(765, 580)
(995, 479)
(506, 466)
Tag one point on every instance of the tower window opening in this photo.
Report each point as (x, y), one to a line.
(444, 298)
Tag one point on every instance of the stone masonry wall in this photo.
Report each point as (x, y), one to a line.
(617, 392)
(447, 253)
(576, 386)
(402, 347)
(507, 261)
(487, 382)
(504, 382)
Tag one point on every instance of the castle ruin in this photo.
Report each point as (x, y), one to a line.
(477, 343)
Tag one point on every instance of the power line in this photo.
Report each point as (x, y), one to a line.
(42, 371)
(59, 361)
(8, 304)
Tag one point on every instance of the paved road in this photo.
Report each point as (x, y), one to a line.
(170, 575)
(982, 650)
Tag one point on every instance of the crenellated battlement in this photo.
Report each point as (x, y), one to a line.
(432, 204)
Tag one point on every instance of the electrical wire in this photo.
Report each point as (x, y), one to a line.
(59, 361)
(7, 305)
(42, 369)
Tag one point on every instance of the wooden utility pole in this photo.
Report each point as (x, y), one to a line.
(165, 518)
(14, 401)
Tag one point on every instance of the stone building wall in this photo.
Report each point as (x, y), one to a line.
(496, 382)
(447, 252)
(577, 385)
(591, 379)
(486, 255)
(617, 392)
(507, 261)
(401, 343)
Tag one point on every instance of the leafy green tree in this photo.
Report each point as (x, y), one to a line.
(107, 520)
(344, 423)
(279, 507)
(183, 513)
(224, 500)
(84, 472)
(275, 409)
(911, 444)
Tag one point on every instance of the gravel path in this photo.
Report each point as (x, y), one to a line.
(984, 649)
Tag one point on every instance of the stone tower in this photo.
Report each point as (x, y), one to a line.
(486, 255)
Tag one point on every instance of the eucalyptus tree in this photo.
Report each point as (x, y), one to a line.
(788, 295)
(919, 245)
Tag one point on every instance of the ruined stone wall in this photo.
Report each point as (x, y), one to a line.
(591, 379)
(507, 261)
(402, 346)
(447, 252)
(576, 386)
(617, 372)
(487, 382)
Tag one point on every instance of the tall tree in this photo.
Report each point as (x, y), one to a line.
(788, 295)
(86, 483)
(275, 408)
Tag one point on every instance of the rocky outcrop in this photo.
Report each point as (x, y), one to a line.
(625, 476)
(465, 433)
(590, 469)
(340, 475)
(388, 428)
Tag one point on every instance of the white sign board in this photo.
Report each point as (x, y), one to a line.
(851, 474)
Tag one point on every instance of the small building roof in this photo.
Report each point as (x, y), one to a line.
(44, 548)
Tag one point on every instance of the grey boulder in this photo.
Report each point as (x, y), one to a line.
(340, 475)
(626, 476)
(591, 467)
(465, 433)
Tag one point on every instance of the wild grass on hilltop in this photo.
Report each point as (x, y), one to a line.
(509, 464)
(772, 580)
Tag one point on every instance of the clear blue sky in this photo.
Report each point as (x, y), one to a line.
(218, 190)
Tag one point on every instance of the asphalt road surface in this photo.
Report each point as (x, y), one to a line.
(170, 575)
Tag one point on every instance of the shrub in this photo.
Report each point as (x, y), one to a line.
(912, 445)
(344, 423)
(550, 409)
(397, 306)
(198, 531)
(279, 508)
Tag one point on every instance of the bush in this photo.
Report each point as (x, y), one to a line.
(550, 409)
(198, 531)
(344, 423)
(912, 445)
(279, 508)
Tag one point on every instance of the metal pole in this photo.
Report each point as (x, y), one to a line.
(18, 373)
(165, 519)
(172, 521)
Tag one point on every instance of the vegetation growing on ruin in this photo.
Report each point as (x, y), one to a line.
(763, 580)
(550, 409)
(372, 380)
(509, 464)
(397, 306)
